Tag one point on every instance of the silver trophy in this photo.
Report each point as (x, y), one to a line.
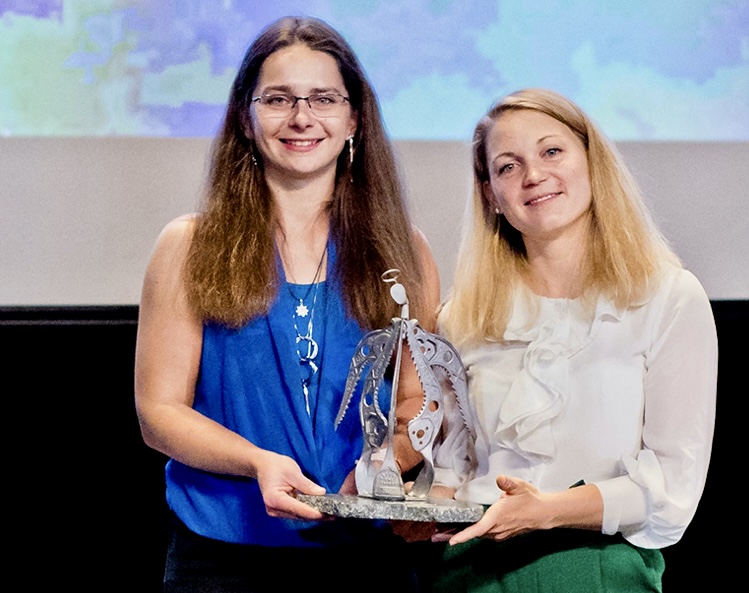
(382, 494)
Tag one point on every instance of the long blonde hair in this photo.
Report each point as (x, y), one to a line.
(624, 248)
(231, 267)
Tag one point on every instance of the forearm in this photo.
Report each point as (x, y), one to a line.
(580, 507)
(410, 401)
(191, 438)
(523, 508)
(408, 408)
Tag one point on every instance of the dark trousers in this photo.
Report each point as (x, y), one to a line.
(199, 564)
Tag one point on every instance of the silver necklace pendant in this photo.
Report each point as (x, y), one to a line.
(301, 309)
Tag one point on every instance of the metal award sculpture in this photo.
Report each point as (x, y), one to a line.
(378, 478)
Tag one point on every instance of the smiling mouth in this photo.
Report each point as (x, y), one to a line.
(301, 143)
(540, 199)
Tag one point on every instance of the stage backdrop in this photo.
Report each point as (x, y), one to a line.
(107, 108)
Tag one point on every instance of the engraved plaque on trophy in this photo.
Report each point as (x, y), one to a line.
(380, 487)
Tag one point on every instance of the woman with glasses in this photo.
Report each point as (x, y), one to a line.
(251, 312)
(591, 357)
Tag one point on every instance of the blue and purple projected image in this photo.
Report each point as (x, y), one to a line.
(667, 70)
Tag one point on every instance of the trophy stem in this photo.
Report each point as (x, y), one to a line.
(388, 483)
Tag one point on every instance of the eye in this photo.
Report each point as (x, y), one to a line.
(277, 100)
(324, 100)
(554, 151)
(506, 168)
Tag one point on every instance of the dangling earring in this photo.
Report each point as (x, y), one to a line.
(497, 223)
(350, 150)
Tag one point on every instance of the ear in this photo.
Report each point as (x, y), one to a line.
(245, 121)
(352, 124)
(491, 199)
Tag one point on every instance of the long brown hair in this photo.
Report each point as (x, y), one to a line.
(231, 267)
(624, 248)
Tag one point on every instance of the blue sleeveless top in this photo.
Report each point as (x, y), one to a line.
(250, 381)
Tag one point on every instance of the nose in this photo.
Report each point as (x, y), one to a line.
(297, 99)
(301, 112)
(534, 173)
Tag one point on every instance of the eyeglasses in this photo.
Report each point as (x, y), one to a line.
(282, 104)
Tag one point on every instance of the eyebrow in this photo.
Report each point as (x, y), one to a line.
(284, 88)
(502, 154)
(541, 140)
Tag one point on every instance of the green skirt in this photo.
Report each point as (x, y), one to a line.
(555, 561)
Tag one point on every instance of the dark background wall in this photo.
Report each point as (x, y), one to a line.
(87, 496)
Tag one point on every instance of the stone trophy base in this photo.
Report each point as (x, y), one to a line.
(438, 510)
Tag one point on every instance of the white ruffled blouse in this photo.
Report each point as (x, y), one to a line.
(624, 399)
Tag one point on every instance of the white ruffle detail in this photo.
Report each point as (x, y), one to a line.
(540, 390)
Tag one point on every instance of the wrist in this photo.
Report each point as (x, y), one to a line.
(580, 508)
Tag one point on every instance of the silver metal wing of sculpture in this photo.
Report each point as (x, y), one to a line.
(441, 373)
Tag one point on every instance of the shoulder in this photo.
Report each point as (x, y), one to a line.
(176, 235)
(420, 239)
(429, 270)
(179, 228)
(423, 248)
(170, 250)
(679, 286)
(680, 307)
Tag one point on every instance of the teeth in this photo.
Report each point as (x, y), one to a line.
(541, 198)
(300, 142)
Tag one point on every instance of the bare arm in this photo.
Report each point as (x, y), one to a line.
(166, 368)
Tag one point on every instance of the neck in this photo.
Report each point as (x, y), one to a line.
(301, 237)
(288, 191)
(555, 268)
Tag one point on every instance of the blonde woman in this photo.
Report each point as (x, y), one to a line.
(592, 360)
